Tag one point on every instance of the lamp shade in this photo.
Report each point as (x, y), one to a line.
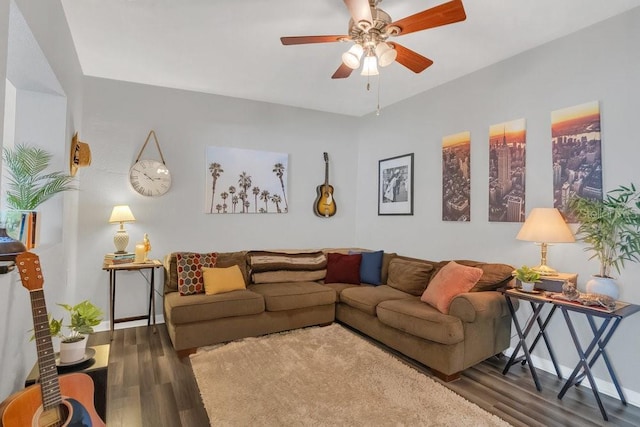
(369, 66)
(351, 58)
(545, 225)
(121, 213)
(386, 54)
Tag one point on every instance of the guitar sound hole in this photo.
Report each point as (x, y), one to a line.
(54, 417)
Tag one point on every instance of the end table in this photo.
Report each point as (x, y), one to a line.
(96, 367)
(139, 267)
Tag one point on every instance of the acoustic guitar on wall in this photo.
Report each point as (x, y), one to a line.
(325, 204)
(65, 400)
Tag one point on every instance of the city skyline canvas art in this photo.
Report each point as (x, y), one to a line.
(245, 181)
(456, 177)
(507, 171)
(577, 155)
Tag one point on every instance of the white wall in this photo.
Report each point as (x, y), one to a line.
(47, 121)
(117, 118)
(599, 63)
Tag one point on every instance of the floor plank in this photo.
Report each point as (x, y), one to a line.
(148, 385)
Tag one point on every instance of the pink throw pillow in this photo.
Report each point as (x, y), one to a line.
(452, 280)
(343, 268)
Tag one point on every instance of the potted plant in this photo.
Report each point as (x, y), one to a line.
(28, 185)
(528, 277)
(611, 230)
(83, 317)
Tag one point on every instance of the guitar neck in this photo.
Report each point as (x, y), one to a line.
(46, 356)
(326, 173)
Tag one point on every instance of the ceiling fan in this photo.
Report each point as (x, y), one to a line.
(371, 27)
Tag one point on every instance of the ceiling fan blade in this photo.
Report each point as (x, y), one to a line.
(446, 13)
(410, 59)
(312, 39)
(342, 72)
(359, 10)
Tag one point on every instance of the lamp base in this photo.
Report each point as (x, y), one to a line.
(545, 270)
(121, 240)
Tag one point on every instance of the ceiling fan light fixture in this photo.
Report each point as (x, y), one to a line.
(351, 58)
(386, 54)
(369, 66)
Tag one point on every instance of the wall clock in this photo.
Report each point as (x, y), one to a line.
(150, 177)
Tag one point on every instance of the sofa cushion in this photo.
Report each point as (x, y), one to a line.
(366, 298)
(384, 271)
(202, 307)
(343, 268)
(452, 280)
(218, 280)
(371, 267)
(409, 276)
(417, 318)
(339, 287)
(289, 296)
(189, 268)
(494, 276)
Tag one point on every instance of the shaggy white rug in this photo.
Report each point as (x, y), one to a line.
(323, 376)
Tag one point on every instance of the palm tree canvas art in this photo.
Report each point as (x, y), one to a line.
(240, 181)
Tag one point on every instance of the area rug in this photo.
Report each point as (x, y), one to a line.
(323, 376)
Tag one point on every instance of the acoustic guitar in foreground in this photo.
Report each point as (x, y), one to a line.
(65, 400)
(325, 204)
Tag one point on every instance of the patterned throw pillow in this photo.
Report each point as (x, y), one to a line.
(189, 266)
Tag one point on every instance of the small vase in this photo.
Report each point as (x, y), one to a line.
(603, 286)
(72, 351)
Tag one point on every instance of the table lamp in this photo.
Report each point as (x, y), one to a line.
(121, 214)
(543, 226)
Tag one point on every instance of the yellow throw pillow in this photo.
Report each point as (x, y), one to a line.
(219, 280)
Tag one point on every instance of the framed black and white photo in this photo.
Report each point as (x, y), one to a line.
(395, 185)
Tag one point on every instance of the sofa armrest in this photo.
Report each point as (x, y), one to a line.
(473, 306)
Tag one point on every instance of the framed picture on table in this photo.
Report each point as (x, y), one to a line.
(395, 185)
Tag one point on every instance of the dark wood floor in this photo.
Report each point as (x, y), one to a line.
(149, 386)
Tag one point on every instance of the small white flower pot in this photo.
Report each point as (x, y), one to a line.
(72, 351)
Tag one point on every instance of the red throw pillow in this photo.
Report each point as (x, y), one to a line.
(189, 266)
(452, 280)
(343, 268)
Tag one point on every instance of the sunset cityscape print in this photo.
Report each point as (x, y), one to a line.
(507, 166)
(456, 177)
(577, 155)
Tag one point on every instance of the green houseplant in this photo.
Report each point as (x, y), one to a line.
(527, 274)
(528, 277)
(82, 318)
(27, 185)
(611, 230)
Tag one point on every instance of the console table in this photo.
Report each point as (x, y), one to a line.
(588, 355)
(136, 267)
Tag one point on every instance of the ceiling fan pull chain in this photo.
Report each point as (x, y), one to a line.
(378, 106)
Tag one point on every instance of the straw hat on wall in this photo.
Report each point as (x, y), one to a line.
(80, 155)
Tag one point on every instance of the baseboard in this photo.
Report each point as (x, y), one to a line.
(604, 386)
(104, 325)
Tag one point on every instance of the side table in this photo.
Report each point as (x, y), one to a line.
(588, 355)
(96, 368)
(139, 267)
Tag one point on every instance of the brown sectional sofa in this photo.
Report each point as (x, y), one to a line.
(477, 326)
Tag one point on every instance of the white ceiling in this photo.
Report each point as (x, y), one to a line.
(233, 47)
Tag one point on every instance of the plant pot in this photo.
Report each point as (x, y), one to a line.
(527, 286)
(603, 286)
(72, 351)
